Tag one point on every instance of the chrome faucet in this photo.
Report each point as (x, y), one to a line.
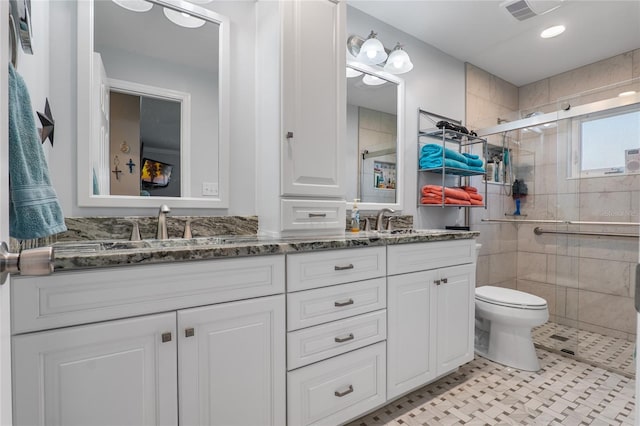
(162, 233)
(380, 217)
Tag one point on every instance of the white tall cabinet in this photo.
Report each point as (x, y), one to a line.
(301, 104)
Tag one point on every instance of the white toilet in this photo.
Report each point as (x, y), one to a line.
(504, 319)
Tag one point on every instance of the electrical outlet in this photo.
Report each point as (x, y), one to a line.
(209, 188)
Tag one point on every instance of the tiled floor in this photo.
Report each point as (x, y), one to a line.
(563, 392)
(603, 351)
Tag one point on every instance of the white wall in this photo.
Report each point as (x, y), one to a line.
(63, 65)
(436, 84)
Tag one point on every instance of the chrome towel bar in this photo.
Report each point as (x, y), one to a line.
(563, 222)
(539, 231)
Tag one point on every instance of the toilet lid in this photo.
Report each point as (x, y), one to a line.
(511, 298)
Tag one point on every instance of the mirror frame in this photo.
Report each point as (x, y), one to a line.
(398, 205)
(85, 36)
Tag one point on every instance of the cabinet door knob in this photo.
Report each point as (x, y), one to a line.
(436, 282)
(343, 268)
(289, 135)
(340, 394)
(166, 337)
(445, 280)
(189, 332)
(346, 338)
(339, 304)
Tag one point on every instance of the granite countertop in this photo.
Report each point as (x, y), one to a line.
(99, 254)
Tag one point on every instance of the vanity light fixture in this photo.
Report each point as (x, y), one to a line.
(353, 73)
(134, 5)
(398, 61)
(554, 31)
(372, 52)
(372, 80)
(183, 19)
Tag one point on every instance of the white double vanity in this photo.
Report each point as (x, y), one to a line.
(303, 337)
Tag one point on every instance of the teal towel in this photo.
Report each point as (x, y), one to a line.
(473, 160)
(34, 211)
(434, 150)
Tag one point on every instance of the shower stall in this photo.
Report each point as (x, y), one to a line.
(564, 215)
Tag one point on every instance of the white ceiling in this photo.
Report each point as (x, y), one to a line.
(486, 35)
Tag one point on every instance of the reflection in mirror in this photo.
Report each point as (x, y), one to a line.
(159, 123)
(374, 133)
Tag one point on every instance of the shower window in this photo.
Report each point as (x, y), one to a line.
(607, 143)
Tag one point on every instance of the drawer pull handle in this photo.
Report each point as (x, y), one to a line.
(437, 282)
(339, 304)
(345, 392)
(166, 337)
(344, 339)
(445, 280)
(189, 332)
(343, 268)
(317, 215)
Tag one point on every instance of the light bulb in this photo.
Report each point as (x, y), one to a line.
(398, 61)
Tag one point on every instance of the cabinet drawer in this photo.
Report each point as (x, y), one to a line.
(324, 341)
(79, 297)
(314, 307)
(321, 269)
(338, 389)
(313, 215)
(403, 258)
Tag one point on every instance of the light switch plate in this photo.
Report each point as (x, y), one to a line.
(209, 188)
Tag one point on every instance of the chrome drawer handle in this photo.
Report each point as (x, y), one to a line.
(437, 282)
(343, 393)
(445, 280)
(344, 339)
(166, 337)
(339, 304)
(317, 215)
(343, 268)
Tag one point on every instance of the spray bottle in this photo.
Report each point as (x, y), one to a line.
(355, 216)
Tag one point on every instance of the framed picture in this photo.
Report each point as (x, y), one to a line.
(155, 173)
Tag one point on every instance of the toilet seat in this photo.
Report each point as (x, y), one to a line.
(510, 298)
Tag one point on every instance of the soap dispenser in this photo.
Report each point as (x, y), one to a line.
(355, 216)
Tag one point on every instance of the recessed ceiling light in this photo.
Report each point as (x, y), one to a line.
(629, 93)
(552, 31)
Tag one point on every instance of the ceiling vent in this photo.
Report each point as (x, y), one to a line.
(525, 9)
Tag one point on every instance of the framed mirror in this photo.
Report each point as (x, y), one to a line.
(153, 124)
(375, 134)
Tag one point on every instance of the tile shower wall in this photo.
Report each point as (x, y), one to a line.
(489, 97)
(588, 282)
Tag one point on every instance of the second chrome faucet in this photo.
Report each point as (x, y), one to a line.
(162, 233)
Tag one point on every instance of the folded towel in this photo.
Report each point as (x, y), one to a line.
(469, 188)
(472, 156)
(475, 196)
(447, 200)
(475, 162)
(435, 150)
(34, 211)
(449, 192)
(430, 162)
(475, 202)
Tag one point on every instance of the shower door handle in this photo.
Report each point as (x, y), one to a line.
(637, 297)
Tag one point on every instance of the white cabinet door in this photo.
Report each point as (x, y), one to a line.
(313, 97)
(410, 331)
(232, 363)
(112, 373)
(455, 309)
